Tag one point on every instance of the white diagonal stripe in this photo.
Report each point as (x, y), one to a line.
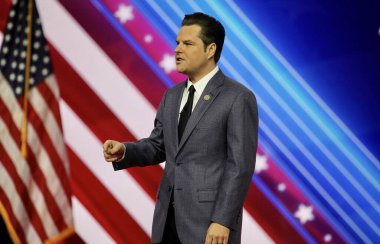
(87, 227)
(252, 232)
(50, 123)
(120, 184)
(17, 205)
(100, 73)
(55, 134)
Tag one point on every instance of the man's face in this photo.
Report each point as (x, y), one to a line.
(190, 53)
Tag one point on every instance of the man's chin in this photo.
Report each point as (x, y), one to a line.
(181, 70)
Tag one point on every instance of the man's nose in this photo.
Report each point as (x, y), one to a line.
(178, 48)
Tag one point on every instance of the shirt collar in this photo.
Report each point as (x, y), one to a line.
(201, 84)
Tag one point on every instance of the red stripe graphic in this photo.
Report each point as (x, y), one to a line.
(4, 10)
(102, 122)
(270, 219)
(102, 205)
(134, 67)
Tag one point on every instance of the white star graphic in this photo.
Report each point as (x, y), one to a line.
(124, 13)
(148, 38)
(304, 213)
(327, 238)
(281, 187)
(261, 163)
(167, 63)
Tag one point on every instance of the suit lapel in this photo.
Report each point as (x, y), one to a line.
(212, 90)
(175, 115)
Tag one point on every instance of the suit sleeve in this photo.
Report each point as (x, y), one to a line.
(147, 151)
(242, 129)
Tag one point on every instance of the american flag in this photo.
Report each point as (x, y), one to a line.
(35, 190)
(113, 60)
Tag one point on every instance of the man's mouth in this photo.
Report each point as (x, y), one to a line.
(178, 59)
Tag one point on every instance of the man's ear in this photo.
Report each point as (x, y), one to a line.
(211, 49)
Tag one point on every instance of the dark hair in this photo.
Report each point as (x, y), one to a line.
(212, 31)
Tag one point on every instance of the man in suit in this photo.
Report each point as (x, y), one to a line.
(206, 130)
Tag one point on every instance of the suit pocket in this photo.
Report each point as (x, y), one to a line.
(207, 195)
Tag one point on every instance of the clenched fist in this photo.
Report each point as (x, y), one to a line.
(113, 150)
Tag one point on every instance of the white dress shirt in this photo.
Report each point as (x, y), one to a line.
(199, 87)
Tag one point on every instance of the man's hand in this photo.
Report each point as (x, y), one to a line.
(217, 233)
(113, 150)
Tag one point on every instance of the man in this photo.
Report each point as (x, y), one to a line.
(206, 130)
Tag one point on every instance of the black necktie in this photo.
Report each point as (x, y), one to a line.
(186, 112)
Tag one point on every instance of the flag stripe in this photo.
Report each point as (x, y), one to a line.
(33, 185)
(87, 227)
(45, 97)
(48, 179)
(103, 206)
(8, 220)
(61, 167)
(56, 198)
(13, 184)
(45, 121)
(4, 10)
(40, 182)
(19, 219)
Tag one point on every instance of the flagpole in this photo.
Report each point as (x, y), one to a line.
(24, 128)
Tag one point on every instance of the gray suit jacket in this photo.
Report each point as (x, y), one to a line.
(211, 168)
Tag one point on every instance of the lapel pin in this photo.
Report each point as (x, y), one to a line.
(206, 97)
